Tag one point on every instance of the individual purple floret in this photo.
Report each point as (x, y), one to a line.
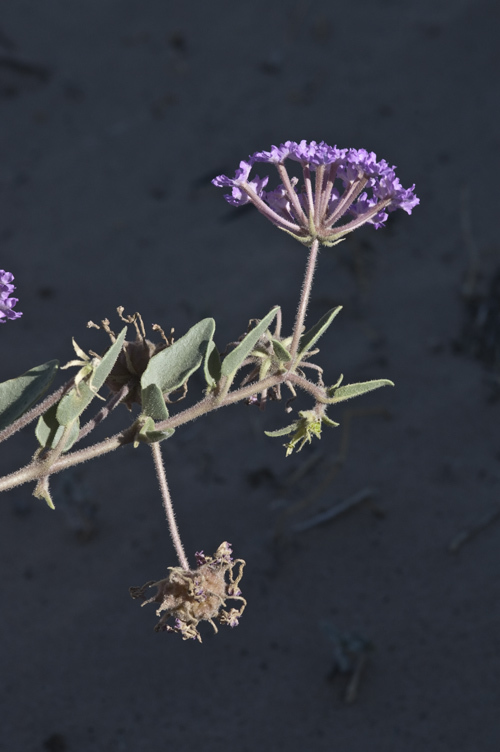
(200, 558)
(349, 185)
(6, 302)
(239, 197)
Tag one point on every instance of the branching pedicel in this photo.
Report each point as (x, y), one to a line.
(341, 190)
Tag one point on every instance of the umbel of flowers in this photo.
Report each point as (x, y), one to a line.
(341, 190)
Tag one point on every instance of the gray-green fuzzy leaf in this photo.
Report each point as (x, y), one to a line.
(348, 391)
(77, 400)
(212, 365)
(19, 394)
(172, 367)
(329, 422)
(150, 435)
(282, 431)
(235, 358)
(309, 339)
(49, 431)
(281, 352)
(153, 403)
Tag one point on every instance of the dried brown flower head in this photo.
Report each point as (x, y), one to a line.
(195, 595)
(133, 358)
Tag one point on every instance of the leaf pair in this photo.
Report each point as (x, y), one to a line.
(171, 368)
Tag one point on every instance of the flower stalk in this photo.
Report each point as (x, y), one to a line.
(304, 299)
(168, 506)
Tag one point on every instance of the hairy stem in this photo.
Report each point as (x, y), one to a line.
(346, 200)
(355, 223)
(104, 412)
(168, 506)
(318, 194)
(316, 391)
(292, 195)
(306, 170)
(304, 298)
(36, 411)
(328, 188)
(267, 211)
(206, 405)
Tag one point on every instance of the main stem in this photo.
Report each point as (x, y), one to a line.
(204, 406)
(168, 506)
(36, 411)
(304, 298)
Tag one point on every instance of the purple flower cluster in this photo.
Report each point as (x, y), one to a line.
(6, 302)
(349, 184)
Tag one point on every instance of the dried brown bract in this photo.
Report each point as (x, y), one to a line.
(192, 596)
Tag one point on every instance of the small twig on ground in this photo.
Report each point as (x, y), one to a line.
(24, 66)
(350, 657)
(351, 693)
(335, 467)
(467, 533)
(335, 511)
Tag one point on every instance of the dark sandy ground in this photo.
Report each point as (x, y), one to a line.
(107, 147)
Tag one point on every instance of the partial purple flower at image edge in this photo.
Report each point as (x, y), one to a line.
(6, 302)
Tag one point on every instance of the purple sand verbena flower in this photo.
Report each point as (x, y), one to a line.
(349, 185)
(6, 302)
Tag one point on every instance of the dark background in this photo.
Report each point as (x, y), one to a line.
(115, 116)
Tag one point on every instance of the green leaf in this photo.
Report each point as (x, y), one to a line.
(329, 422)
(42, 492)
(282, 431)
(153, 403)
(281, 352)
(235, 358)
(76, 401)
(153, 409)
(172, 367)
(309, 339)
(211, 365)
(348, 391)
(149, 435)
(19, 394)
(49, 431)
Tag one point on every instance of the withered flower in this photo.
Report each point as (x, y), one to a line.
(195, 595)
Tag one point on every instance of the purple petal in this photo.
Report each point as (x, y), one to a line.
(276, 155)
(316, 154)
(237, 197)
